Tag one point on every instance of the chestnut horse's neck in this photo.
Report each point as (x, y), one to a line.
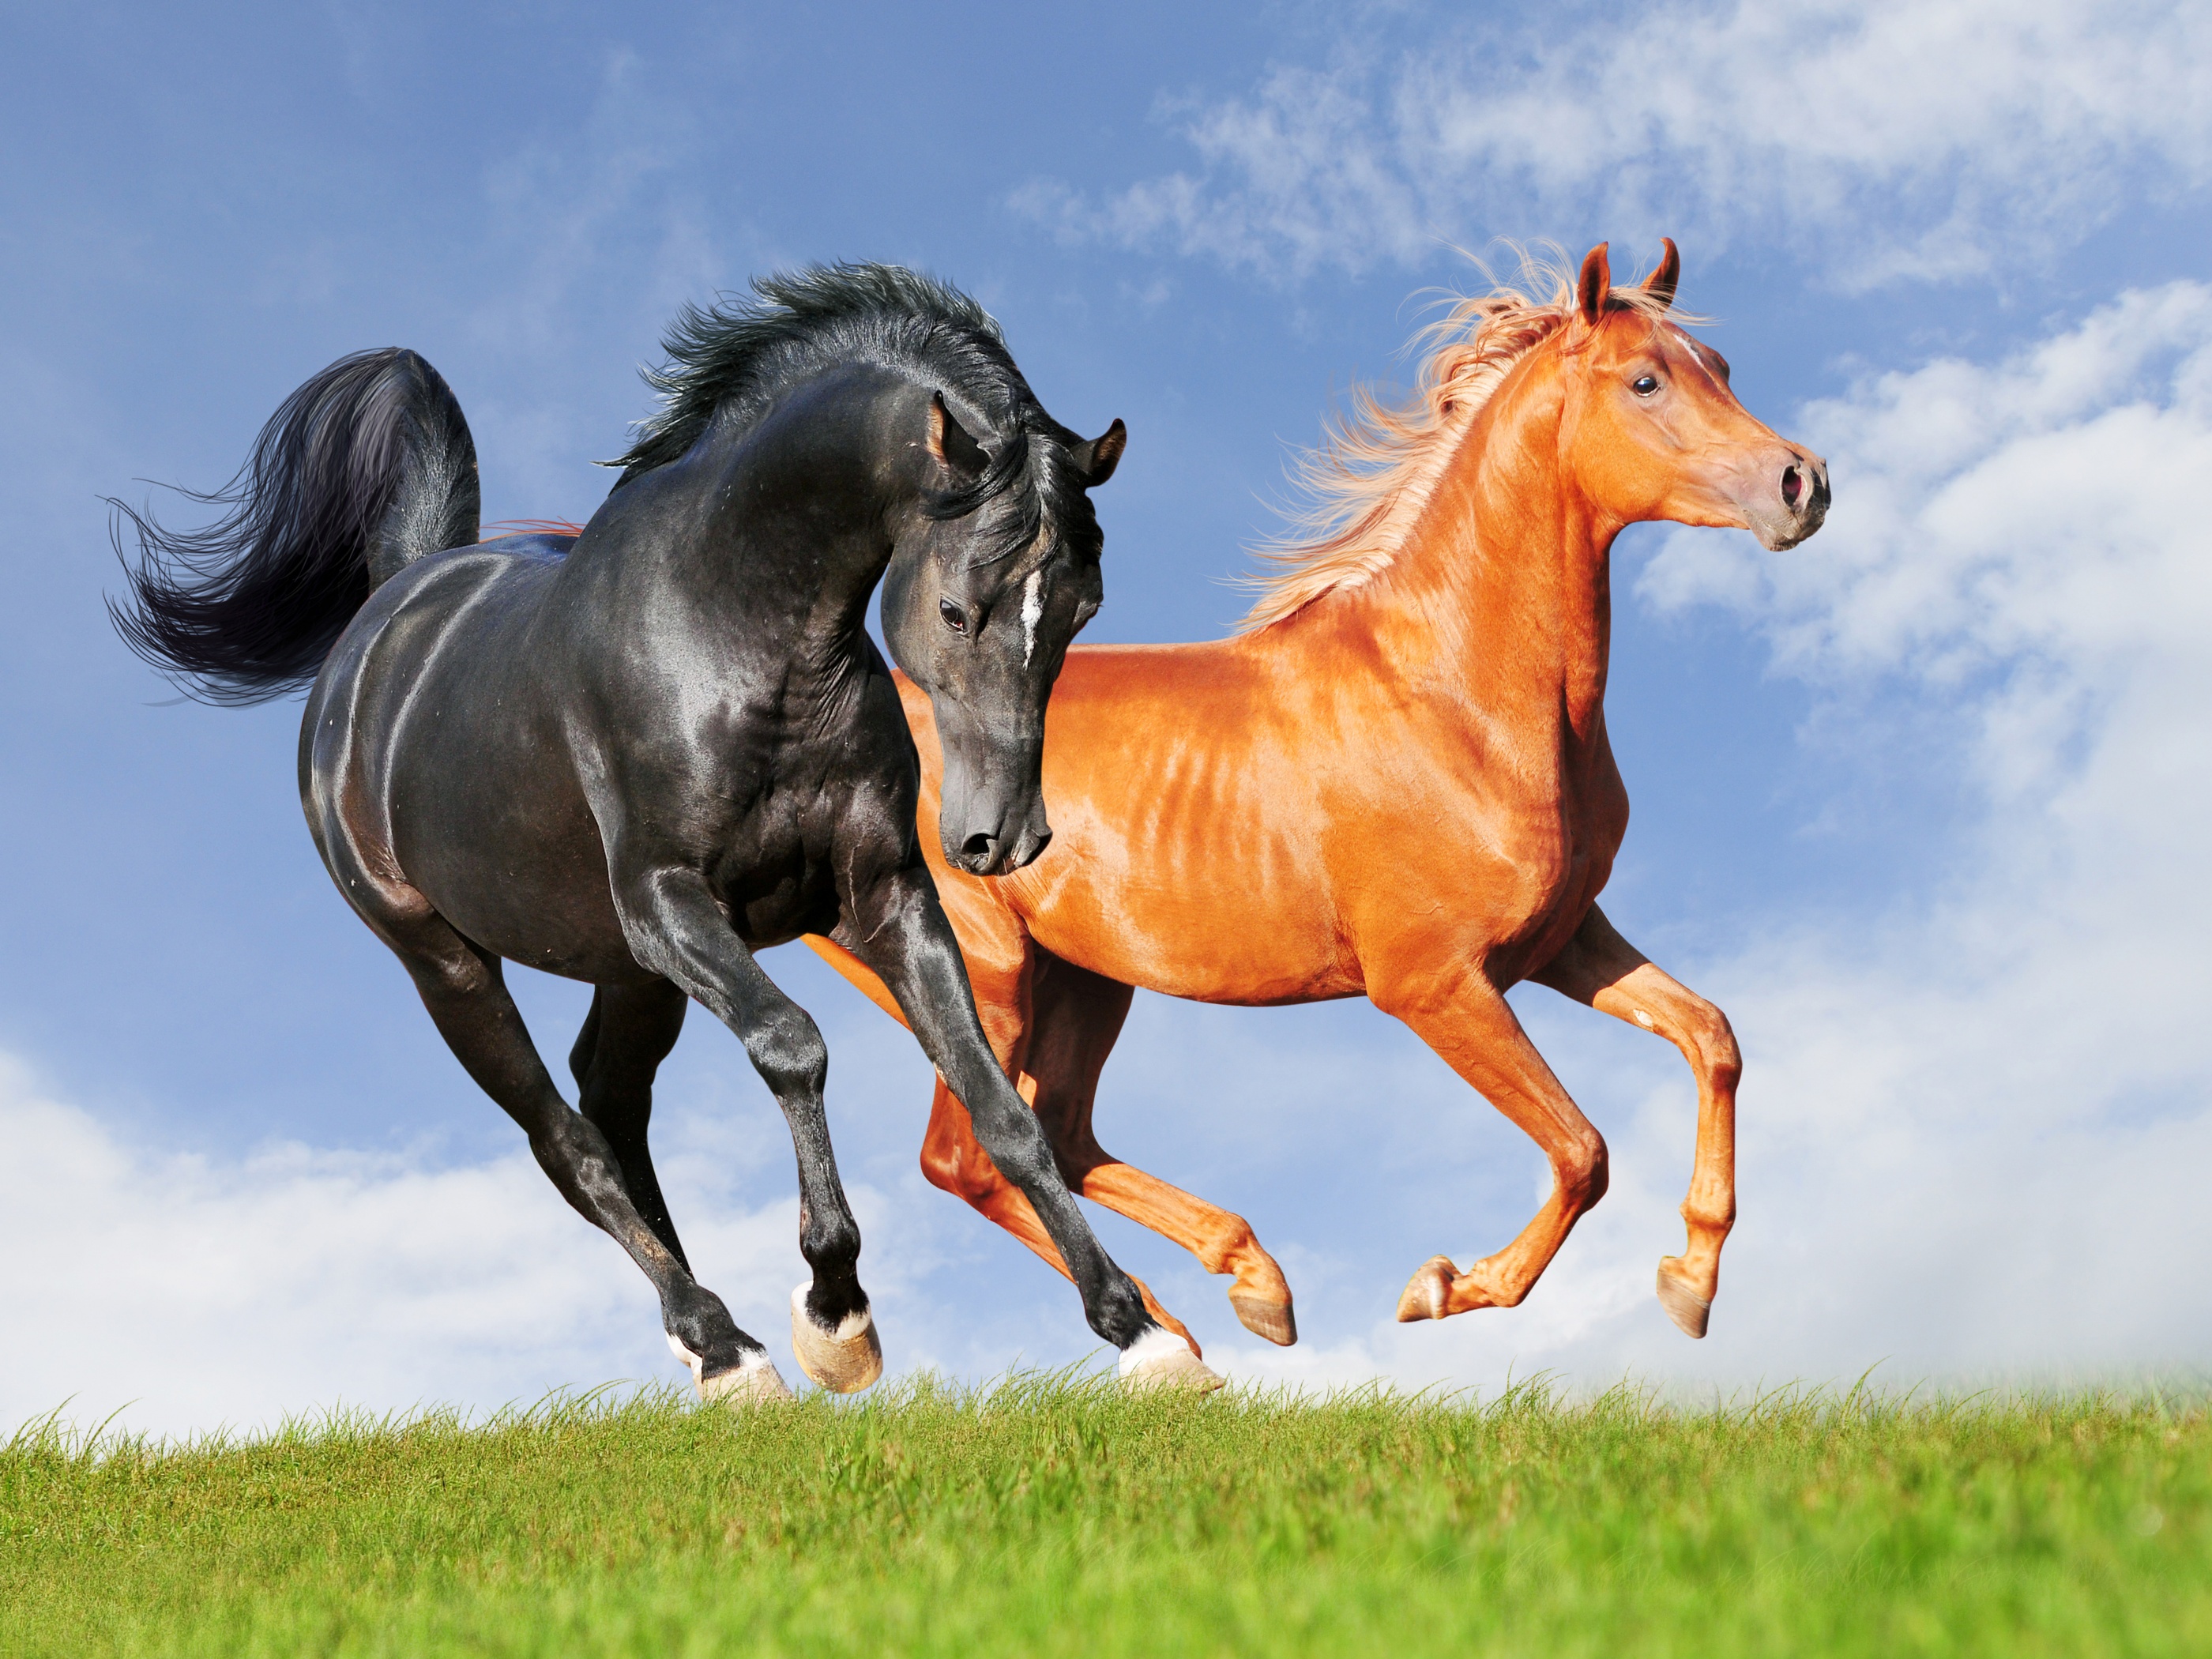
(1499, 594)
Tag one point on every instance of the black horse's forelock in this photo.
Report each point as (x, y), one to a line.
(245, 609)
(733, 358)
(1057, 495)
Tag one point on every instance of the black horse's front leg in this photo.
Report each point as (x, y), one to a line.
(898, 928)
(675, 928)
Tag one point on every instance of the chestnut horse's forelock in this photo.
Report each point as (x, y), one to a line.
(1368, 479)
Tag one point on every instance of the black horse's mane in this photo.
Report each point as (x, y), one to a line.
(370, 464)
(732, 360)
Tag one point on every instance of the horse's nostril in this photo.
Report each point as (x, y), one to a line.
(976, 846)
(1793, 485)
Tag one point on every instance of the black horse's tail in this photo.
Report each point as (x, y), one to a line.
(364, 468)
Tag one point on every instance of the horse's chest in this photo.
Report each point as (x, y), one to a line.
(777, 883)
(1552, 860)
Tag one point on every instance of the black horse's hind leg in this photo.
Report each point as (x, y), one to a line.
(465, 991)
(627, 1034)
(677, 929)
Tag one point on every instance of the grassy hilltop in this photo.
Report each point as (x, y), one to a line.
(1048, 1517)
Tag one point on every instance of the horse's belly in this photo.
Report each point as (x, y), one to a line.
(510, 854)
(548, 907)
(1226, 943)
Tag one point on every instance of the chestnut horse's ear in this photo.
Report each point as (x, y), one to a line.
(949, 444)
(1096, 458)
(1595, 284)
(1660, 284)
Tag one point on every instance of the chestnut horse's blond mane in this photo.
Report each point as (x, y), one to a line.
(1373, 472)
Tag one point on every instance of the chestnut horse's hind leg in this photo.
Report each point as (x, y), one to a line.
(627, 1034)
(952, 1158)
(465, 991)
(1466, 1019)
(954, 1161)
(1599, 968)
(1075, 1018)
(897, 930)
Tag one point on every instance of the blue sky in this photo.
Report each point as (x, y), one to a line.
(1919, 802)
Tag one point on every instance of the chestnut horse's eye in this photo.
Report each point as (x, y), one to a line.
(955, 618)
(1644, 384)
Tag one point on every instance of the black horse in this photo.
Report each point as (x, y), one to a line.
(637, 754)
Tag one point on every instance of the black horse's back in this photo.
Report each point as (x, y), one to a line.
(366, 467)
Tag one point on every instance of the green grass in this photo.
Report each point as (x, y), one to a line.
(1052, 1516)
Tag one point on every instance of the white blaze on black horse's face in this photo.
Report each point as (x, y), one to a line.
(979, 610)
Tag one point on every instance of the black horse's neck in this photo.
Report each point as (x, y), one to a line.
(778, 531)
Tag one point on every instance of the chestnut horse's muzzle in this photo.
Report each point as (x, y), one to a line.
(1784, 496)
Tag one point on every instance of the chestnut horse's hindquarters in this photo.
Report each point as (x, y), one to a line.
(1451, 602)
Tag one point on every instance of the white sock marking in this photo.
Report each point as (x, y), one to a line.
(1158, 1343)
(847, 1327)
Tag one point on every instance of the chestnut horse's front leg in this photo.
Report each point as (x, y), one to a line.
(1458, 1013)
(1599, 968)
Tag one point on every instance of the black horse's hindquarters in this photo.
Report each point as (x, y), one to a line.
(630, 763)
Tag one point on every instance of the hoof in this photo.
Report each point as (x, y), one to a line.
(1160, 1361)
(845, 1360)
(752, 1381)
(1428, 1292)
(1273, 1320)
(758, 1384)
(1684, 1306)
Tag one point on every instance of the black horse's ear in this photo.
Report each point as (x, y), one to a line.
(1096, 458)
(949, 444)
(1597, 284)
(1660, 284)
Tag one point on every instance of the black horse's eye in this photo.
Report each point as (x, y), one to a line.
(955, 618)
(1644, 384)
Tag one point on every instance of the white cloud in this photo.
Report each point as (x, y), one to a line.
(196, 1290)
(1976, 1128)
(1900, 137)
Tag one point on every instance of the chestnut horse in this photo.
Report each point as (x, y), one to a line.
(1394, 783)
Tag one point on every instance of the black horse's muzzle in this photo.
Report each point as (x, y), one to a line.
(987, 842)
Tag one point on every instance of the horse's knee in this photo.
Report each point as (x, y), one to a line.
(958, 1165)
(788, 1052)
(1713, 1040)
(1581, 1170)
(1012, 1143)
(1075, 1150)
